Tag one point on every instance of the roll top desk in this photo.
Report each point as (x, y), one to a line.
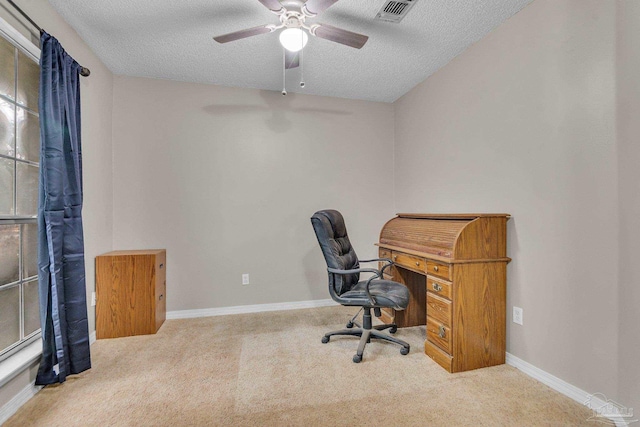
(455, 266)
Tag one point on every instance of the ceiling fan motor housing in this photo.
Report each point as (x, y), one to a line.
(292, 19)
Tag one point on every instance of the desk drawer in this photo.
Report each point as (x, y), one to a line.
(439, 287)
(439, 356)
(440, 270)
(409, 261)
(439, 334)
(439, 309)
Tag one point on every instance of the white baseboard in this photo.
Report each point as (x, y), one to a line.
(592, 400)
(12, 406)
(242, 309)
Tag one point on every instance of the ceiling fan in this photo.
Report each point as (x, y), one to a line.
(293, 14)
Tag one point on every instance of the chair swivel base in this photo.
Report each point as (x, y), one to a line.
(366, 333)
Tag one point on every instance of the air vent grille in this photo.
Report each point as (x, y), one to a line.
(395, 10)
(395, 7)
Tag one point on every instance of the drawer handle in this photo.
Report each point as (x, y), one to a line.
(441, 332)
(161, 296)
(161, 265)
(437, 287)
(435, 268)
(417, 264)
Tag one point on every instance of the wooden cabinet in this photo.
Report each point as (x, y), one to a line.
(130, 293)
(455, 268)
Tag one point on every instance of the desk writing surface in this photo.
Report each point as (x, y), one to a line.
(455, 268)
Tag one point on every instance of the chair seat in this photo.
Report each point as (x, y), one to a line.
(385, 292)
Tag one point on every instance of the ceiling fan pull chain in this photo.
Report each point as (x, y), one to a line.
(284, 72)
(301, 60)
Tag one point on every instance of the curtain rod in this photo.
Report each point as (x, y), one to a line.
(83, 70)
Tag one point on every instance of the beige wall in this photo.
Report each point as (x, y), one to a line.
(97, 97)
(629, 189)
(524, 122)
(226, 180)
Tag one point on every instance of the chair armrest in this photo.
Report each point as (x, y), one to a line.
(377, 274)
(384, 268)
(358, 270)
(388, 264)
(375, 259)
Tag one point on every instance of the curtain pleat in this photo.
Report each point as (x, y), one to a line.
(61, 272)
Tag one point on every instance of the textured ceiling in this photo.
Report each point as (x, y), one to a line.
(171, 39)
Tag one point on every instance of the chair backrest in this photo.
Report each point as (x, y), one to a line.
(336, 248)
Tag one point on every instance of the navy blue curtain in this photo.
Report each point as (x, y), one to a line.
(61, 275)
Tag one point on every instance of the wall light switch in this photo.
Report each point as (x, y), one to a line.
(245, 279)
(517, 315)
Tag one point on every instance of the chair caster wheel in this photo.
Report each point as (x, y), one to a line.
(404, 351)
(350, 325)
(393, 329)
(325, 340)
(357, 359)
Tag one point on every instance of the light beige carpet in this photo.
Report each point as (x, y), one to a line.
(270, 369)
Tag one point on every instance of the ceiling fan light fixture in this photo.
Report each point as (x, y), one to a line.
(293, 39)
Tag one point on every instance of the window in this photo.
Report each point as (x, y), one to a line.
(19, 176)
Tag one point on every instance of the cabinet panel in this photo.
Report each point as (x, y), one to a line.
(161, 289)
(480, 315)
(130, 293)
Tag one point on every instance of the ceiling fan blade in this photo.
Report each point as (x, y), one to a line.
(273, 5)
(314, 7)
(291, 59)
(339, 35)
(263, 29)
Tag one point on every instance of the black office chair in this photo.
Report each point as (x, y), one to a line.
(346, 288)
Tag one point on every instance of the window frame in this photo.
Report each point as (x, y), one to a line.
(32, 52)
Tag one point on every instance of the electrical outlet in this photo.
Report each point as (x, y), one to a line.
(517, 315)
(93, 299)
(245, 279)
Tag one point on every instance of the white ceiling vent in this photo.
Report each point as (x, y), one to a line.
(395, 10)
